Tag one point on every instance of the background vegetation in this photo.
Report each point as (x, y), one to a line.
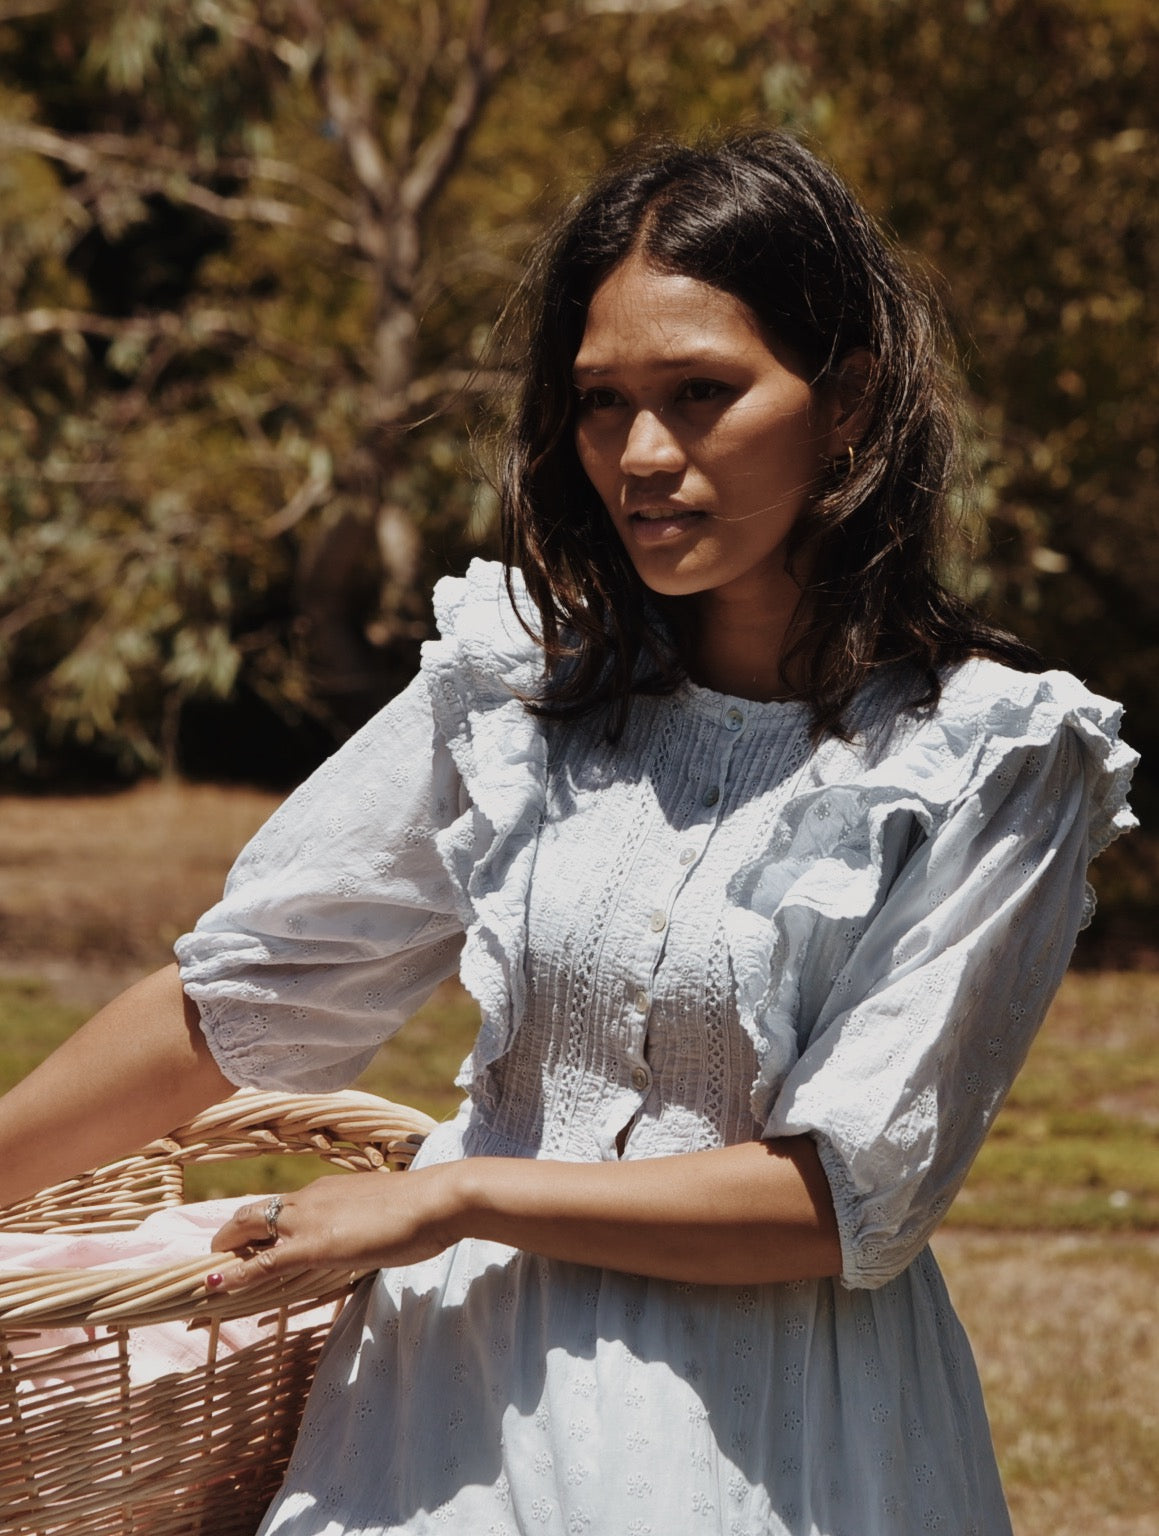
(250, 255)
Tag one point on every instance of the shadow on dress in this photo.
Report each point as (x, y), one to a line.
(490, 1391)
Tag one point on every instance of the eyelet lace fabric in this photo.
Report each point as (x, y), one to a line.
(707, 934)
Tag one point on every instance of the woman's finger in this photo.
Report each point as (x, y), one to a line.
(261, 1222)
(238, 1273)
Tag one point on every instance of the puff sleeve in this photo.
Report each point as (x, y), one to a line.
(338, 918)
(930, 1018)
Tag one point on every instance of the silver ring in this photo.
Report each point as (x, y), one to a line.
(271, 1211)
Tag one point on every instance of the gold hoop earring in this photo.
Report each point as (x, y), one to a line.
(849, 451)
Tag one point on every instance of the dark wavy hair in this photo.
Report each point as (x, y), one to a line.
(759, 217)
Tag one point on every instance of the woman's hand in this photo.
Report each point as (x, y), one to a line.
(357, 1221)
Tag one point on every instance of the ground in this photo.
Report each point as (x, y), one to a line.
(1051, 1252)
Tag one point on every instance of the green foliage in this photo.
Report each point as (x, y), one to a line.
(250, 254)
(1023, 166)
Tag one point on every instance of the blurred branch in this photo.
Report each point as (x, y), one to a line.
(647, 7)
(119, 160)
(41, 606)
(136, 399)
(69, 474)
(192, 328)
(136, 151)
(402, 123)
(440, 152)
(45, 322)
(15, 10)
(454, 381)
(297, 58)
(312, 490)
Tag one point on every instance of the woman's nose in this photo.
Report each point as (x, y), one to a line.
(651, 448)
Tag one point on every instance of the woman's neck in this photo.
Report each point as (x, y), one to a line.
(739, 648)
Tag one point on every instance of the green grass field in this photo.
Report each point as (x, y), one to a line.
(1076, 1148)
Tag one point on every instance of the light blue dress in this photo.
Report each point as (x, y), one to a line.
(708, 933)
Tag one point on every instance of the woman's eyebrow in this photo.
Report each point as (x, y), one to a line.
(689, 360)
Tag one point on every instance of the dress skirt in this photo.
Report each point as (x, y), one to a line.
(490, 1392)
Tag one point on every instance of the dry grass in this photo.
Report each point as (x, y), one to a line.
(93, 891)
(101, 885)
(1066, 1333)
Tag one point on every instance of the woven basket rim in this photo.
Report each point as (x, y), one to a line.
(35, 1299)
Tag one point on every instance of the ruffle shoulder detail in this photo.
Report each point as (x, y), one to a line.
(855, 810)
(1024, 713)
(475, 671)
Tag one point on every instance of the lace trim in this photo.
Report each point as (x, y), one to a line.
(713, 1096)
(578, 1040)
(474, 672)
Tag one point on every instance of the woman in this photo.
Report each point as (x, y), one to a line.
(763, 857)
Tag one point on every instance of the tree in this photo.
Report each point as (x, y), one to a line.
(251, 251)
(233, 456)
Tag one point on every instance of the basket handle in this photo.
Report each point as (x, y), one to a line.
(348, 1129)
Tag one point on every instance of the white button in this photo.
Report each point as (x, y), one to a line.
(640, 1078)
(711, 795)
(733, 720)
(641, 1001)
(658, 921)
(687, 855)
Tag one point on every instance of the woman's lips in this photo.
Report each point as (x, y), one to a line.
(660, 524)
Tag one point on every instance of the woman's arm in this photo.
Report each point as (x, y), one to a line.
(738, 1215)
(137, 1069)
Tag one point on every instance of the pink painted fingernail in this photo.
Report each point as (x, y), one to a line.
(214, 1279)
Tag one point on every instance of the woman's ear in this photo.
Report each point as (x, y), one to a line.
(849, 398)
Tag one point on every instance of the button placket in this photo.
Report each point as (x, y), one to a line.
(732, 723)
(639, 992)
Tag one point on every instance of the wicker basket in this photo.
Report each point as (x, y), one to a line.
(199, 1452)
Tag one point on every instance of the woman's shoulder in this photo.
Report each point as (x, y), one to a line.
(486, 624)
(990, 722)
(1012, 711)
(994, 691)
(981, 700)
(478, 671)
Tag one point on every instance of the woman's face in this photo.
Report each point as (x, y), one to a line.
(702, 443)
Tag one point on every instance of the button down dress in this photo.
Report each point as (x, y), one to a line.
(706, 934)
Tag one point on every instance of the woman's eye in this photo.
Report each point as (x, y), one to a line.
(597, 399)
(698, 390)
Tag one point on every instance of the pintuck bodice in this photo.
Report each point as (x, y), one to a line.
(631, 1041)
